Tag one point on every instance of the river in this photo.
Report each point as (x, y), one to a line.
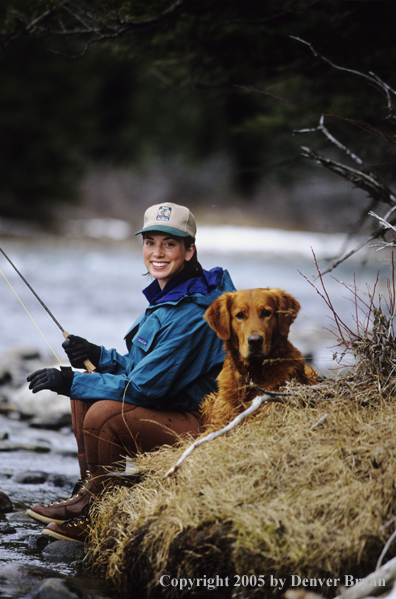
(95, 289)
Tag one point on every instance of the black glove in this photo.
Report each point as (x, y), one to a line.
(59, 381)
(79, 350)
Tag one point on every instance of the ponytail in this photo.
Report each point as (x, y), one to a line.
(192, 269)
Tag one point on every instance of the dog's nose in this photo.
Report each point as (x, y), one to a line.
(255, 341)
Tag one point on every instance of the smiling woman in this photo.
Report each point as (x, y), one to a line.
(165, 256)
(167, 250)
(151, 395)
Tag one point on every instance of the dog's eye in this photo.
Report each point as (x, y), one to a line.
(266, 313)
(240, 315)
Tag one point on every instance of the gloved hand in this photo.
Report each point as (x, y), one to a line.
(79, 350)
(52, 379)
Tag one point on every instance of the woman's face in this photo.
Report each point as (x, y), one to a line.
(164, 256)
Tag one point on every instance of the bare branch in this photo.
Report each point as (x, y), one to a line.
(374, 79)
(29, 27)
(270, 396)
(385, 549)
(40, 19)
(383, 221)
(362, 178)
(331, 138)
(350, 253)
(341, 326)
(388, 90)
(366, 181)
(321, 419)
(113, 25)
(359, 590)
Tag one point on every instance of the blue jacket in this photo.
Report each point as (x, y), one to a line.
(173, 357)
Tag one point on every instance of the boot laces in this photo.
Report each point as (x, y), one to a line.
(79, 486)
(83, 518)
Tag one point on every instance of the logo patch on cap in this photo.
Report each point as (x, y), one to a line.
(164, 213)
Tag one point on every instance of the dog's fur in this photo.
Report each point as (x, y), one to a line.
(254, 324)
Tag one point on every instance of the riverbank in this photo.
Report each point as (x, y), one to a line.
(94, 286)
(94, 289)
(38, 463)
(302, 492)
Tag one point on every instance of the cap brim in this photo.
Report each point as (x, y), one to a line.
(164, 229)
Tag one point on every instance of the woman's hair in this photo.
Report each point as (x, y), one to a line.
(192, 268)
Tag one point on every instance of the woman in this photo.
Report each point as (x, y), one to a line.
(150, 396)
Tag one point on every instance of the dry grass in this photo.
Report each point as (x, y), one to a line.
(304, 489)
(277, 495)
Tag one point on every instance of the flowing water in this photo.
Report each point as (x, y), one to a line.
(23, 545)
(95, 291)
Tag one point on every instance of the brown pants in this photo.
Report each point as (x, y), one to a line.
(106, 431)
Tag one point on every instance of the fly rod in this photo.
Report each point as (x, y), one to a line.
(88, 364)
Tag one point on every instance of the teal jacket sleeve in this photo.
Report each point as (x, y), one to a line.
(167, 355)
(113, 362)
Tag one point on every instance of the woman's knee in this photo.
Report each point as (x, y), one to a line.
(98, 414)
(102, 412)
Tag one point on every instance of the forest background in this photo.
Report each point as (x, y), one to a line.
(108, 106)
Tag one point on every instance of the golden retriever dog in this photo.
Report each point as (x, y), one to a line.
(254, 324)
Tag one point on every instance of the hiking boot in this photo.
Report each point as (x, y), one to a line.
(76, 529)
(65, 509)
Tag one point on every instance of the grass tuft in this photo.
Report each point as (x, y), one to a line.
(306, 488)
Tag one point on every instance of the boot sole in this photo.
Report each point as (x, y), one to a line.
(41, 518)
(57, 535)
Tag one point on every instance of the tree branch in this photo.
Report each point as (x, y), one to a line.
(113, 25)
(372, 77)
(269, 396)
(331, 138)
(362, 178)
(383, 221)
(366, 181)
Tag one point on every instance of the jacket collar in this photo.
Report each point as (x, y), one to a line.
(178, 288)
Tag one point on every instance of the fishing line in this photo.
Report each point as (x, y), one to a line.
(31, 317)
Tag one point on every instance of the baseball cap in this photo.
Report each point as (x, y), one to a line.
(169, 218)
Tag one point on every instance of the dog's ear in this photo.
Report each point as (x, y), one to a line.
(288, 308)
(218, 315)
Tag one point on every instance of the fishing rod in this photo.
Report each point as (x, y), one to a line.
(88, 364)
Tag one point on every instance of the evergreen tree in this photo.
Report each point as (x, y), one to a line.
(94, 80)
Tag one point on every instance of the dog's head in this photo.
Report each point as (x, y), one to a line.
(251, 319)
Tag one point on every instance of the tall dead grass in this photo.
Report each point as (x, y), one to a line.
(308, 488)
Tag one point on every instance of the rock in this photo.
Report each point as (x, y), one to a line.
(5, 376)
(5, 473)
(68, 453)
(6, 409)
(36, 447)
(43, 404)
(16, 579)
(54, 423)
(5, 503)
(19, 516)
(3, 435)
(62, 481)
(16, 363)
(70, 550)
(31, 478)
(20, 353)
(6, 529)
(37, 542)
(55, 588)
